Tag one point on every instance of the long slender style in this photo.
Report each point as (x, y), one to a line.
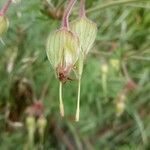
(61, 105)
(80, 70)
(65, 22)
(78, 101)
(5, 7)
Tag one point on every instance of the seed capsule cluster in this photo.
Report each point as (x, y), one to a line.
(68, 47)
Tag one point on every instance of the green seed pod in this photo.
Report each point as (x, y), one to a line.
(86, 31)
(41, 124)
(31, 126)
(3, 25)
(62, 50)
(115, 63)
(120, 104)
(104, 68)
(30, 123)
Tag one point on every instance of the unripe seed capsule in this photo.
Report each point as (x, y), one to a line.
(3, 25)
(86, 30)
(115, 63)
(41, 123)
(120, 104)
(104, 68)
(30, 124)
(62, 51)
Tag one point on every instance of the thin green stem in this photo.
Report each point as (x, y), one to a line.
(113, 3)
(61, 105)
(78, 101)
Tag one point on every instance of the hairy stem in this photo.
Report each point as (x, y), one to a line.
(82, 8)
(5, 7)
(61, 105)
(65, 22)
(78, 101)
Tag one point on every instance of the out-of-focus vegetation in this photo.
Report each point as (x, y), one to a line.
(115, 91)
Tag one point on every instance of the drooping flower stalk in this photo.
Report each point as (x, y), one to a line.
(5, 7)
(65, 20)
(82, 8)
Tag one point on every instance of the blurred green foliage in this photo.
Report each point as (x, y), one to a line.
(123, 37)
